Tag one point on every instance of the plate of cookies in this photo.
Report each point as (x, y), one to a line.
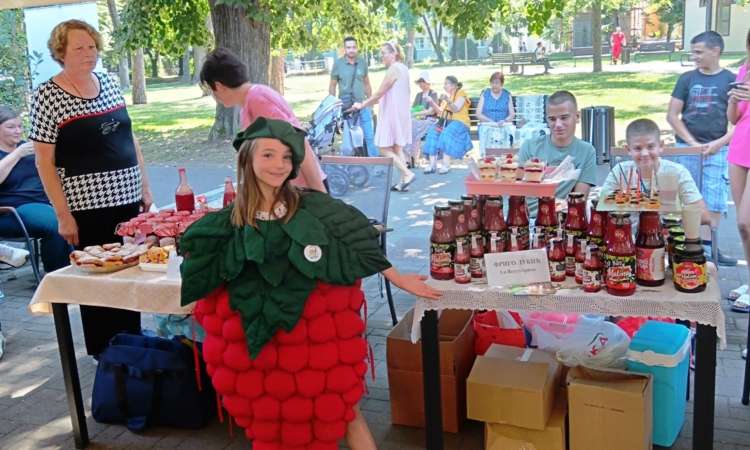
(156, 259)
(108, 258)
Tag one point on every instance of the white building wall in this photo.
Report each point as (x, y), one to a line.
(740, 23)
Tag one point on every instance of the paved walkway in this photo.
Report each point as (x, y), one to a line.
(33, 407)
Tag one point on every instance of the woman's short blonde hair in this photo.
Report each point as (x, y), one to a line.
(58, 39)
(394, 48)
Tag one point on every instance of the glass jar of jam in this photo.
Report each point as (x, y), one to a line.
(546, 216)
(442, 244)
(462, 261)
(592, 270)
(556, 257)
(597, 226)
(674, 232)
(580, 259)
(495, 222)
(571, 248)
(518, 217)
(477, 257)
(690, 272)
(620, 257)
(649, 249)
(575, 221)
(670, 221)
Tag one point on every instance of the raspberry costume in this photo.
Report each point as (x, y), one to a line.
(280, 304)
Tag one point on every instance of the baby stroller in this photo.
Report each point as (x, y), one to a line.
(324, 123)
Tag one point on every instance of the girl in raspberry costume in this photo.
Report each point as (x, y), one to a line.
(276, 276)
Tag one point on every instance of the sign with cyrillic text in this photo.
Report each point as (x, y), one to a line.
(526, 267)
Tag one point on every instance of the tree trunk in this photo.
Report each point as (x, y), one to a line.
(596, 13)
(454, 48)
(410, 46)
(436, 45)
(154, 64)
(139, 79)
(670, 29)
(251, 41)
(276, 68)
(185, 69)
(123, 64)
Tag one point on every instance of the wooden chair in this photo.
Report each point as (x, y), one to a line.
(364, 183)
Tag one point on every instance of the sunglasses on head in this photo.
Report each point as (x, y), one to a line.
(109, 127)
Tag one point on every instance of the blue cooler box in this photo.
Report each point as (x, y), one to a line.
(663, 349)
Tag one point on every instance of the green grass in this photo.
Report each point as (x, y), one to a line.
(175, 123)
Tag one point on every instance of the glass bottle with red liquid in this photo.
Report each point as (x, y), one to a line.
(518, 216)
(184, 197)
(514, 240)
(481, 201)
(442, 244)
(592, 270)
(229, 192)
(462, 261)
(571, 248)
(495, 244)
(575, 221)
(495, 222)
(649, 249)
(546, 216)
(538, 241)
(556, 257)
(620, 257)
(472, 214)
(580, 260)
(597, 226)
(477, 257)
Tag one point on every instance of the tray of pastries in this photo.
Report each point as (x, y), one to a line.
(156, 259)
(108, 258)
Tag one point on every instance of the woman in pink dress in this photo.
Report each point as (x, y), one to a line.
(738, 113)
(394, 122)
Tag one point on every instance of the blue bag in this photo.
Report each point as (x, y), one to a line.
(144, 380)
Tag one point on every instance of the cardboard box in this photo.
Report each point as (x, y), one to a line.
(609, 409)
(507, 437)
(404, 360)
(513, 386)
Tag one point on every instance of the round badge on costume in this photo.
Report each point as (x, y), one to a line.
(313, 253)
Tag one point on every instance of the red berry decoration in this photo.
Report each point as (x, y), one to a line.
(509, 161)
(536, 160)
(300, 390)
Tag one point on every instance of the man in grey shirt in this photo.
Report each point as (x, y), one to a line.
(350, 74)
(562, 117)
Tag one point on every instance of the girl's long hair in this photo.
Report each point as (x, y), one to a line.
(249, 197)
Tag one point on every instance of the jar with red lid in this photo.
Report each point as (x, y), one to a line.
(556, 257)
(649, 249)
(442, 244)
(620, 257)
(495, 222)
(580, 259)
(592, 270)
(575, 221)
(518, 217)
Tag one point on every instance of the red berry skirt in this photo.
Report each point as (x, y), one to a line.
(300, 390)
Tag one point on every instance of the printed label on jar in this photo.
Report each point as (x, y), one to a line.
(579, 270)
(595, 240)
(474, 213)
(592, 279)
(689, 275)
(477, 267)
(461, 218)
(441, 258)
(462, 271)
(544, 209)
(649, 264)
(570, 264)
(523, 237)
(620, 271)
(557, 270)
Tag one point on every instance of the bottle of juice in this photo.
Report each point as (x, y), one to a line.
(597, 226)
(477, 257)
(620, 257)
(649, 249)
(575, 221)
(546, 216)
(229, 192)
(495, 222)
(556, 257)
(571, 248)
(184, 197)
(442, 244)
(580, 260)
(592, 270)
(518, 217)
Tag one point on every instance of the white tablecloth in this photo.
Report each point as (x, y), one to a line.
(132, 289)
(662, 301)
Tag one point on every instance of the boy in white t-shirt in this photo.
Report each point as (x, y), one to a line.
(644, 145)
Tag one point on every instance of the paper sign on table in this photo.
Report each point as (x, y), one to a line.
(529, 266)
(173, 266)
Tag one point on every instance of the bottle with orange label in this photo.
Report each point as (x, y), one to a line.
(689, 265)
(620, 257)
(442, 244)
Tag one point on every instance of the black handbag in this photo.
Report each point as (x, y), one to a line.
(443, 121)
(347, 98)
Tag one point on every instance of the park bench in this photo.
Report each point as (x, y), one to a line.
(515, 59)
(588, 52)
(687, 55)
(656, 48)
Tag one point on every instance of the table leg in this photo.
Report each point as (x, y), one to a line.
(705, 387)
(70, 374)
(433, 413)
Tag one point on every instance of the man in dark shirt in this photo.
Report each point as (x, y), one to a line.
(698, 115)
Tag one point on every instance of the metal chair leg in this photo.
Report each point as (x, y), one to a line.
(383, 247)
